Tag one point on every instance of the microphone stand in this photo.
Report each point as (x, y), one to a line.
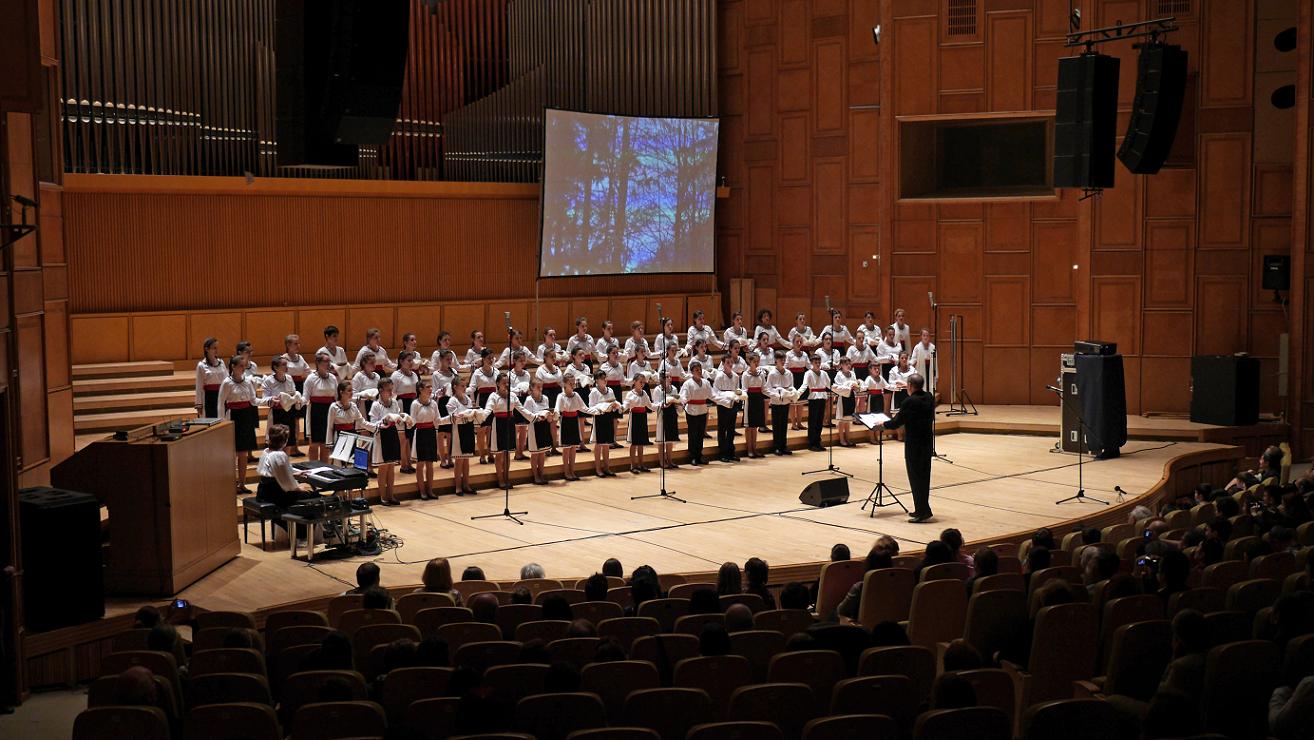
(830, 448)
(931, 379)
(1080, 495)
(506, 488)
(661, 412)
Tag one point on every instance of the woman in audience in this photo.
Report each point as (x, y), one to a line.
(728, 580)
(437, 579)
(473, 573)
(757, 573)
(937, 552)
(954, 540)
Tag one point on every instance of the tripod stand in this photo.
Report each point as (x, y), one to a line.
(661, 383)
(959, 400)
(506, 488)
(877, 496)
(1080, 495)
(831, 467)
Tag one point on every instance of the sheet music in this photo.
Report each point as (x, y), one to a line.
(872, 421)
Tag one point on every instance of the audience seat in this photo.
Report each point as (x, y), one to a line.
(976, 723)
(371, 635)
(886, 596)
(512, 682)
(162, 664)
(670, 711)
(754, 602)
(433, 719)
(692, 624)
(276, 621)
(759, 647)
(511, 616)
(229, 721)
(1276, 565)
(224, 620)
(554, 716)
(1063, 650)
(785, 621)
(1118, 532)
(408, 605)
(1253, 595)
(344, 603)
(1223, 575)
(848, 726)
(820, 670)
(892, 696)
(612, 681)
(999, 582)
(665, 611)
(227, 660)
(664, 651)
(1295, 582)
(537, 585)
(228, 688)
(460, 633)
(787, 705)
(1071, 719)
(938, 611)
(612, 582)
(571, 595)
(1069, 573)
(718, 675)
(993, 688)
(213, 639)
(101, 693)
(626, 630)
(577, 651)
(744, 730)
(1305, 534)
(128, 640)
(1138, 653)
(1204, 599)
(481, 656)
(1010, 564)
(992, 620)
(956, 571)
(1203, 513)
(428, 621)
(836, 580)
(353, 619)
(303, 688)
(596, 611)
(914, 662)
(1239, 678)
(668, 581)
(339, 719)
(685, 590)
(402, 686)
(1125, 610)
(621, 595)
(909, 562)
(469, 588)
(292, 636)
(1236, 547)
(136, 723)
(615, 732)
(546, 630)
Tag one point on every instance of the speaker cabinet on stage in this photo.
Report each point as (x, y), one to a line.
(1224, 390)
(1160, 87)
(62, 579)
(826, 492)
(1086, 121)
(1103, 402)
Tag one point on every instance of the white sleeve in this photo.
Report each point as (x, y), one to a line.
(200, 385)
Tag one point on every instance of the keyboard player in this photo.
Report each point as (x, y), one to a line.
(280, 482)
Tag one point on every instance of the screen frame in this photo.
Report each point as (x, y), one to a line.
(542, 192)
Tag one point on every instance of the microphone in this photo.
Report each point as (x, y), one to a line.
(507, 316)
(829, 311)
(930, 296)
(1053, 389)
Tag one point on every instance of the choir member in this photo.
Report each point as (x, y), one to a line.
(699, 352)
(615, 377)
(869, 329)
(210, 374)
(666, 338)
(898, 382)
(483, 381)
(386, 417)
(817, 384)
(640, 366)
(320, 392)
(735, 351)
(445, 378)
(765, 350)
(666, 398)
(337, 355)
(404, 386)
(861, 355)
(502, 406)
(411, 343)
(444, 342)
(694, 395)
(636, 347)
(425, 413)
(766, 325)
(875, 391)
(604, 408)
(374, 345)
(700, 330)
(517, 345)
(239, 403)
(278, 479)
(581, 339)
(902, 331)
(727, 397)
(801, 330)
(460, 420)
(538, 409)
(670, 364)
(583, 377)
(520, 378)
(638, 404)
(779, 383)
(250, 369)
(736, 331)
(923, 361)
(830, 356)
(887, 351)
(365, 383)
(840, 337)
(344, 416)
(476, 352)
(846, 387)
(606, 341)
(753, 383)
(569, 408)
(797, 361)
(549, 343)
(286, 411)
(551, 376)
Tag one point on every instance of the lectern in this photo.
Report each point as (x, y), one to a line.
(172, 513)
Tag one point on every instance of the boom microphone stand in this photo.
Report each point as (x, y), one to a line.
(661, 383)
(931, 378)
(959, 399)
(831, 467)
(506, 489)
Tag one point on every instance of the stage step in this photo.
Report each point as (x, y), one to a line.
(176, 381)
(101, 403)
(122, 369)
(116, 420)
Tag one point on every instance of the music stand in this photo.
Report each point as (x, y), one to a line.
(831, 467)
(876, 422)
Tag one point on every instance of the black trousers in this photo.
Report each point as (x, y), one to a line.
(917, 460)
(725, 430)
(816, 415)
(779, 426)
(697, 428)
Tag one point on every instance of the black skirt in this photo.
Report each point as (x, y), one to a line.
(860, 372)
(210, 408)
(569, 431)
(389, 442)
(552, 394)
(899, 398)
(300, 384)
(291, 418)
(639, 428)
(442, 411)
(465, 434)
(756, 410)
(504, 436)
(848, 404)
(481, 400)
(319, 422)
(543, 435)
(798, 377)
(245, 422)
(885, 370)
(670, 424)
(604, 428)
(426, 444)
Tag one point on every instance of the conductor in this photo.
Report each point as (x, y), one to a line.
(916, 414)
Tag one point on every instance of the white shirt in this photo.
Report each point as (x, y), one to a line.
(297, 366)
(271, 387)
(380, 412)
(403, 384)
(706, 334)
(364, 382)
(809, 339)
(778, 381)
(663, 341)
(543, 349)
(871, 334)
(639, 367)
(381, 361)
(838, 335)
(572, 403)
(425, 413)
(534, 409)
(902, 334)
(923, 359)
(211, 375)
(504, 359)
(481, 381)
(814, 382)
(725, 384)
(898, 379)
(829, 360)
(339, 415)
(231, 391)
(443, 382)
(275, 464)
(519, 381)
(551, 377)
(753, 381)
(583, 376)
(675, 371)
(735, 335)
(888, 353)
(861, 355)
(603, 346)
(845, 383)
(338, 356)
(576, 340)
(637, 348)
(637, 399)
(772, 335)
(472, 357)
(601, 401)
(693, 390)
(615, 373)
(320, 386)
(800, 360)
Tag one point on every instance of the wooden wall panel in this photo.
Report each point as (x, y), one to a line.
(1228, 63)
(1053, 254)
(915, 62)
(266, 331)
(1008, 312)
(96, 339)
(227, 328)
(1221, 317)
(1116, 306)
(156, 336)
(1009, 41)
(828, 190)
(960, 265)
(1224, 195)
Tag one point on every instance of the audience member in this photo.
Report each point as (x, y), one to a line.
(146, 617)
(367, 576)
(375, 597)
(609, 650)
(756, 574)
(953, 692)
(704, 601)
(1291, 706)
(473, 573)
(794, 596)
(241, 637)
(985, 563)
(714, 640)
(561, 678)
(534, 651)
(1174, 570)
(595, 588)
(432, 652)
(954, 539)
(1038, 558)
(1185, 675)
(135, 687)
(581, 628)
(839, 552)
(1139, 513)
(556, 607)
(847, 611)
(644, 585)
(728, 580)
(937, 552)
(888, 634)
(1043, 538)
(437, 579)
(1100, 569)
(1227, 507)
(961, 655)
(531, 571)
(522, 595)
(484, 607)
(738, 618)
(334, 654)
(612, 567)
(164, 638)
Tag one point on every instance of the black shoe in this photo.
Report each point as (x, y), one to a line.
(408, 469)
(297, 454)
(778, 453)
(919, 518)
(374, 474)
(816, 448)
(764, 430)
(696, 463)
(787, 452)
(617, 446)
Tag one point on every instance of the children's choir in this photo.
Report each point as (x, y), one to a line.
(421, 411)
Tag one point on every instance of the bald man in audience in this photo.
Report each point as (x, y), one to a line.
(738, 618)
(484, 607)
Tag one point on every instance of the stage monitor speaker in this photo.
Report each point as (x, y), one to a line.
(1103, 403)
(1085, 121)
(1224, 390)
(1277, 272)
(826, 492)
(340, 65)
(63, 583)
(1156, 110)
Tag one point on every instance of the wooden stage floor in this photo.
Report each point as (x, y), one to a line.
(998, 483)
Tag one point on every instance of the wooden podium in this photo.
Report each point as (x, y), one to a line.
(171, 506)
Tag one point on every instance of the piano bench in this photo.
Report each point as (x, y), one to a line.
(262, 511)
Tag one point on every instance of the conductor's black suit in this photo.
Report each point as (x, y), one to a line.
(916, 416)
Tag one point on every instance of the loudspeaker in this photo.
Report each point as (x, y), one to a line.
(63, 583)
(1085, 121)
(1160, 87)
(1103, 403)
(826, 492)
(339, 75)
(1224, 390)
(1277, 272)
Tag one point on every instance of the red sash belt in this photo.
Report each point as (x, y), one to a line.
(549, 386)
(408, 395)
(752, 392)
(817, 390)
(861, 364)
(613, 383)
(697, 402)
(322, 399)
(875, 393)
(424, 425)
(344, 427)
(569, 414)
(211, 386)
(300, 378)
(501, 414)
(638, 410)
(235, 405)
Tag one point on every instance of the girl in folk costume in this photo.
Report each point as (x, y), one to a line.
(298, 367)
(870, 331)
(539, 411)
(666, 338)
(387, 417)
(753, 383)
(887, 352)
(765, 351)
(636, 347)
(551, 377)
(520, 378)
(638, 404)
(605, 409)
(641, 366)
(337, 355)
(474, 355)
(210, 374)
(569, 407)
(874, 389)
(320, 390)
(374, 344)
(581, 339)
(902, 331)
(404, 383)
(816, 382)
(425, 413)
(801, 330)
(606, 341)
(694, 396)
(922, 359)
(549, 343)
(583, 378)
(699, 352)
(898, 382)
(700, 330)
(483, 381)
(839, 333)
(517, 344)
(846, 387)
(460, 420)
(411, 343)
(735, 351)
(285, 402)
(344, 416)
(736, 331)
(666, 399)
(251, 369)
(365, 384)
(727, 395)
(444, 379)
(444, 342)
(861, 355)
(797, 361)
(670, 364)
(615, 378)
(779, 389)
(766, 325)
(239, 404)
(502, 407)
(830, 358)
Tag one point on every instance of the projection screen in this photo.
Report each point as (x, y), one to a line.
(626, 194)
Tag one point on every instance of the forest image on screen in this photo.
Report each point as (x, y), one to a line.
(627, 195)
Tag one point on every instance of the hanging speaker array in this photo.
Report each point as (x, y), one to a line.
(1160, 89)
(1085, 121)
